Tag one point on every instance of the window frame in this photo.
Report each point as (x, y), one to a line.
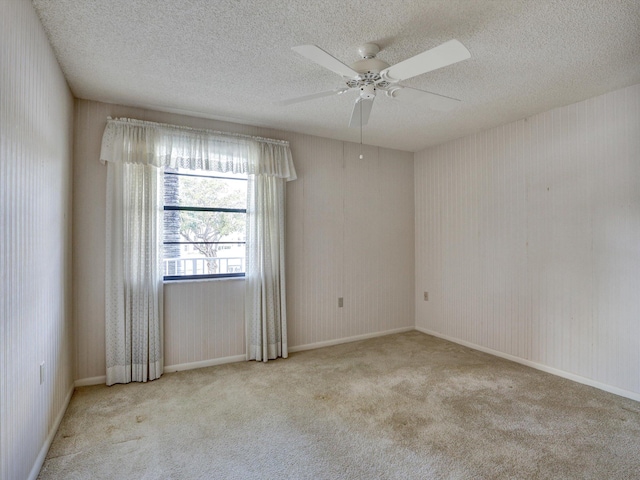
(166, 208)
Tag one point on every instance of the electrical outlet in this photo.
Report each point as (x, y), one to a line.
(426, 296)
(340, 302)
(41, 373)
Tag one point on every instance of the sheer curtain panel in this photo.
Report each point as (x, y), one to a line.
(136, 154)
(133, 324)
(265, 299)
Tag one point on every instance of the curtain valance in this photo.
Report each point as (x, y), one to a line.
(161, 145)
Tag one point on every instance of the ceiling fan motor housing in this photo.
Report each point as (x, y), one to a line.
(369, 69)
(371, 65)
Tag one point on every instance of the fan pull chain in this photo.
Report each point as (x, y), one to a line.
(361, 155)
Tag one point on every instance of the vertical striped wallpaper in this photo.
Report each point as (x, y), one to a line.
(35, 241)
(350, 234)
(528, 239)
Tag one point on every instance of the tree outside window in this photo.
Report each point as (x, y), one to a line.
(206, 213)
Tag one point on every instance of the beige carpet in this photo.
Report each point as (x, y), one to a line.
(406, 406)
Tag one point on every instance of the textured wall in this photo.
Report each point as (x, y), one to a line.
(528, 239)
(349, 233)
(36, 110)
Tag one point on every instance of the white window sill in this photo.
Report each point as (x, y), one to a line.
(198, 280)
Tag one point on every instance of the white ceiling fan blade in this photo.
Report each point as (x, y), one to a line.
(431, 100)
(313, 96)
(446, 54)
(361, 111)
(322, 58)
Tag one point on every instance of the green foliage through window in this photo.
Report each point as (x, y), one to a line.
(204, 224)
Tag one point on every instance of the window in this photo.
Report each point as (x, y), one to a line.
(204, 224)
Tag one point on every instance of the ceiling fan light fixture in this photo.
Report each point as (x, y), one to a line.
(368, 92)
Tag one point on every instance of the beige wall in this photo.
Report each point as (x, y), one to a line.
(350, 233)
(528, 240)
(36, 110)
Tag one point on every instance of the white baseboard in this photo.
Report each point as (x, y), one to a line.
(35, 470)
(241, 358)
(101, 380)
(338, 341)
(204, 363)
(86, 382)
(538, 366)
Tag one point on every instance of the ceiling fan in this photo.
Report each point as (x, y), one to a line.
(370, 75)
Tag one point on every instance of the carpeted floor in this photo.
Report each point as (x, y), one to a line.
(405, 406)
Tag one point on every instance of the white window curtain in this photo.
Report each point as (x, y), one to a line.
(133, 329)
(265, 305)
(136, 153)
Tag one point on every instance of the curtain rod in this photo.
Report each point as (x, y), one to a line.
(197, 130)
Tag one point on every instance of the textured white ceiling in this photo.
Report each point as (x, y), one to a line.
(231, 59)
